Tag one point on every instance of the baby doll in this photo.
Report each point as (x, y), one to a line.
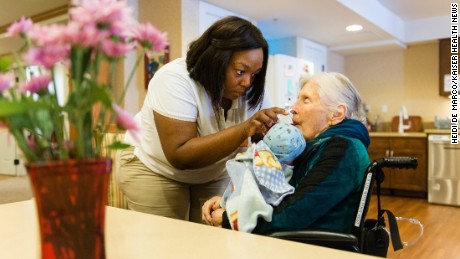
(260, 175)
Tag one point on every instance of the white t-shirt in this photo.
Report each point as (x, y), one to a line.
(172, 93)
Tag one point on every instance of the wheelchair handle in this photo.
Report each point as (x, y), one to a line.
(397, 162)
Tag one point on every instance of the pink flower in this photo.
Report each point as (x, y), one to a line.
(36, 84)
(126, 121)
(47, 55)
(150, 38)
(31, 142)
(6, 81)
(87, 35)
(20, 26)
(111, 15)
(115, 49)
(44, 35)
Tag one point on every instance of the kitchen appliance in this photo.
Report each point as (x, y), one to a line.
(443, 170)
(403, 114)
(282, 80)
(415, 122)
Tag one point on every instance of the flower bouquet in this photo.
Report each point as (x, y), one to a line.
(98, 31)
(59, 135)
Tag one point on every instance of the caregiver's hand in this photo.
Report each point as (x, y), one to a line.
(262, 120)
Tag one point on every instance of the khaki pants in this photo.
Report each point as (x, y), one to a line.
(152, 193)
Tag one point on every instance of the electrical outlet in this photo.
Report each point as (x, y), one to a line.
(384, 108)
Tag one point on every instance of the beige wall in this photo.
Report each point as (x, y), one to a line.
(401, 77)
(166, 17)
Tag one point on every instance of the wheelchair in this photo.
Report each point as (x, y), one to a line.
(367, 236)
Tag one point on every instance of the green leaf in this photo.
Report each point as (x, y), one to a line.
(5, 64)
(8, 108)
(79, 57)
(92, 96)
(43, 121)
(20, 122)
(118, 145)
(100, 94)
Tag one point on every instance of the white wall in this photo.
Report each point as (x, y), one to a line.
(335, 62)
(131, 100)
(190, 23)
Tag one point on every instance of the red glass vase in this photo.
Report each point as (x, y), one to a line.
(71, 197)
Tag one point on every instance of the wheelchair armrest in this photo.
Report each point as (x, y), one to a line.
(321, 238)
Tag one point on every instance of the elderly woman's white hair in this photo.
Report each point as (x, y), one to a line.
(335, 89)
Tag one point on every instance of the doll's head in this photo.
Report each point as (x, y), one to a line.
(285, 141)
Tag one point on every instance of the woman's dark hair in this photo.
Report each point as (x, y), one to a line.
(209, 56)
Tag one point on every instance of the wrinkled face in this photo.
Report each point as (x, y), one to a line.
(311, 116)
(241, 71)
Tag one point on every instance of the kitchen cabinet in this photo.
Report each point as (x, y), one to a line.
(402, 181)
(444, 66)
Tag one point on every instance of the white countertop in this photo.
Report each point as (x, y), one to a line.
(396, 134)
(409, 134)
(437, 131)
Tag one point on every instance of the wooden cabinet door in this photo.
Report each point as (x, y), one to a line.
(444, 65)
(380, 147)
(410, 179)
(402, 179)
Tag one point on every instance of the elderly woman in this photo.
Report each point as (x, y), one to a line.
(328, 175)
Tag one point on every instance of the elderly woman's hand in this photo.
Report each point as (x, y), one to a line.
(217, 217)
(208, 208)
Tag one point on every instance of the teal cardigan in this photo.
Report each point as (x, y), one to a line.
(327, 177)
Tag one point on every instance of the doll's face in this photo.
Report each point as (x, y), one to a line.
(265, 157)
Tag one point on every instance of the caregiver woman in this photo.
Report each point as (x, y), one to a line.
(197, 112)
